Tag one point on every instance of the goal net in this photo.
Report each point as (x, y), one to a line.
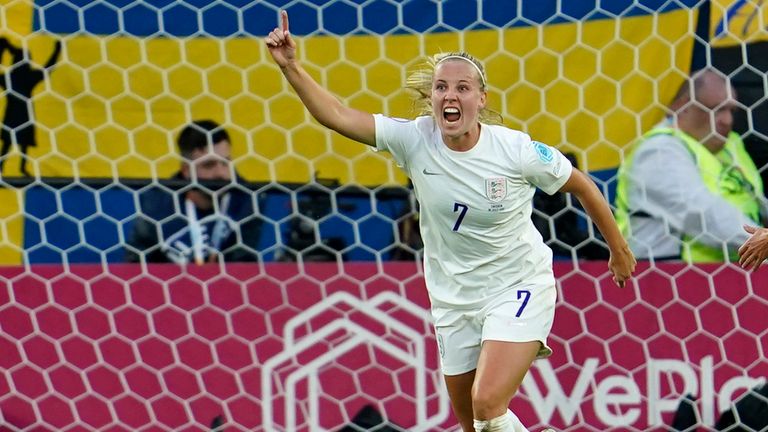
(306, 310)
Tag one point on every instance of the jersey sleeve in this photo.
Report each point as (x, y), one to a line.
(393, 136)
(544, 167)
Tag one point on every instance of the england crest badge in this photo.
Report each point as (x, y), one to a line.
(496, 188)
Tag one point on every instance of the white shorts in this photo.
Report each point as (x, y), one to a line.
(520, 314)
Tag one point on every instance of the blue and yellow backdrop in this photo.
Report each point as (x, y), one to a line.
(583, 78)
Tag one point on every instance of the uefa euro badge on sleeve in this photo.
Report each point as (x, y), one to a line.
(496, 188)
(544, 151)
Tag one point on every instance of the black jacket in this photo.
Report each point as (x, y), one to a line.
(162, 231)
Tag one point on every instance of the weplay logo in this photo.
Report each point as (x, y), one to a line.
(618, 401)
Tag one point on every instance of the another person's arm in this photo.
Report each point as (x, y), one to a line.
(755, 250)
(621, 262)
(323, 106)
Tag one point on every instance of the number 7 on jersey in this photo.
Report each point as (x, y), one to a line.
(462, 209)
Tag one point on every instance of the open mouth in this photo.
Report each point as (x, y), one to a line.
(451, 114)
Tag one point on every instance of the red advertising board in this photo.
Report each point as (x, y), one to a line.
(281, 347)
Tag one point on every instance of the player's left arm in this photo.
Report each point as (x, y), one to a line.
(622, 261)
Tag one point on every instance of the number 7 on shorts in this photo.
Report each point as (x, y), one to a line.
(525, 295)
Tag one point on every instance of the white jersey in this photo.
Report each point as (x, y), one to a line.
(476, 207)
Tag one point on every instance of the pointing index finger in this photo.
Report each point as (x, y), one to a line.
(284, 20)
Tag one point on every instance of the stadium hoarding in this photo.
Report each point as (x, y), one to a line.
(283, 347)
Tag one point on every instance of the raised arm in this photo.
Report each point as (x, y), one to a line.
(323, 106)
(622, 261)
(54, 55)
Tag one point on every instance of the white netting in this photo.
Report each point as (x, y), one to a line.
(95, 95)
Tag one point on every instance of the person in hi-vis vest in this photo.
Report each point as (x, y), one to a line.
(687, 188)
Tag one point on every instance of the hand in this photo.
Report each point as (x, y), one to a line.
(280, 43)
(755, 250)
(621, 264)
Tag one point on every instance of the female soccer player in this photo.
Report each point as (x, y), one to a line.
(488, 272)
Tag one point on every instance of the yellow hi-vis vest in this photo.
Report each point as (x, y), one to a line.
(734, 177)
